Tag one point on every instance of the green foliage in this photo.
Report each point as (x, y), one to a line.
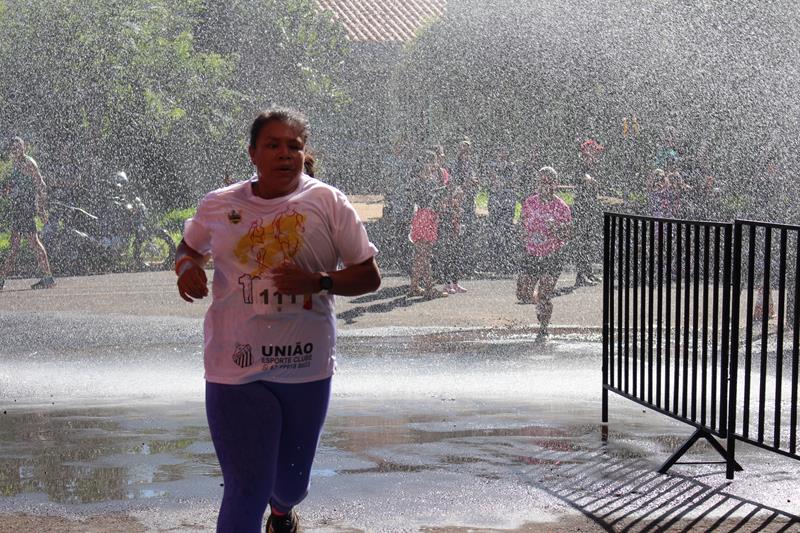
(547, 75)
(111, 84)
(285, 51)
(163, 89)
(482, 200)
(173, 220)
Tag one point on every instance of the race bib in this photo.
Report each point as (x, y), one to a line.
(261, 294)
(538, 237)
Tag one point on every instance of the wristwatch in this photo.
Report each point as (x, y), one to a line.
(325, 284)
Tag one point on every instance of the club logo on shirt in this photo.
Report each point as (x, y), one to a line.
(234, 216)
(243, 355)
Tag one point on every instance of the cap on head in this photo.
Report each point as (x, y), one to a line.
(548, 174)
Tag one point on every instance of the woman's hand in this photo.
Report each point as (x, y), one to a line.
(288, 278)
(192, 281)
(354, 280)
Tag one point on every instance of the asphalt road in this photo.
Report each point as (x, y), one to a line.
(446, 417)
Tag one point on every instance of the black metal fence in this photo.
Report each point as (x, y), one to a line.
(671, 327)
(764, 366)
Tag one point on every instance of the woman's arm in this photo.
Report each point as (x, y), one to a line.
(350, 281)
(192, 280)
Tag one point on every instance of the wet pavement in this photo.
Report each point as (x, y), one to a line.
(445, 418)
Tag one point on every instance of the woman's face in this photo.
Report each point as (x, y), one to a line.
(278, 156)
(546, 186)
(16, 149)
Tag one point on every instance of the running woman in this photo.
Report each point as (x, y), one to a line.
(547, 220)
(270, 332)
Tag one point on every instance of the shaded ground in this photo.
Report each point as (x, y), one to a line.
(490, 303)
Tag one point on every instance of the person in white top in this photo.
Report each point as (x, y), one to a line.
(270, 333)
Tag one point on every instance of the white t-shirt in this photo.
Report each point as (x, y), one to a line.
(252, 332)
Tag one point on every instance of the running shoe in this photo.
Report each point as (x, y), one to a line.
(458, 288)
(44, 283)
(287, 523)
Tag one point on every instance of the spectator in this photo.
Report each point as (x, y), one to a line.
(429, 194)
(26, 191)
(588, 215)
(450, 244)
(398, 206)
(462, 172)
(502, 204)
(661, 197)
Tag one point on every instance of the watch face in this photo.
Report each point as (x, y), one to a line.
(326, 283)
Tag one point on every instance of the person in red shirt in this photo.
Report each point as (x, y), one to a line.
(547, 221)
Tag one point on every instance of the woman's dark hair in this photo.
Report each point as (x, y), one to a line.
(309, 163)
(279, 114)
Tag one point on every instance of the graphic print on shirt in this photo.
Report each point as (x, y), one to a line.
(269, 244)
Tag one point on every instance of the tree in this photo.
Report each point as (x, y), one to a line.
(552, 73)
(163, 89)
(100, 86)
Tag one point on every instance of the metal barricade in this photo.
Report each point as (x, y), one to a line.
(766, 265)
(666, 321)
(678, 338)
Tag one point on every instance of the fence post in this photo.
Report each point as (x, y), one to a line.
(608, 293)
(734, 349)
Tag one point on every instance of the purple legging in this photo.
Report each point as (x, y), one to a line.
(265, 435)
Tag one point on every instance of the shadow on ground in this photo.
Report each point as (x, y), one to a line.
(387, 299)
(390, 298)
(626, 494)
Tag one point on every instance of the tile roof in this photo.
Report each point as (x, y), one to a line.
(382, 20)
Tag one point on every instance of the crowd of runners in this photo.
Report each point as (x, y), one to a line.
(491, 212)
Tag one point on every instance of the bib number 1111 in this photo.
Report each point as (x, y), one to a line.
(265, 299)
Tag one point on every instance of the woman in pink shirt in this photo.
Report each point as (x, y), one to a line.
(547, 220)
